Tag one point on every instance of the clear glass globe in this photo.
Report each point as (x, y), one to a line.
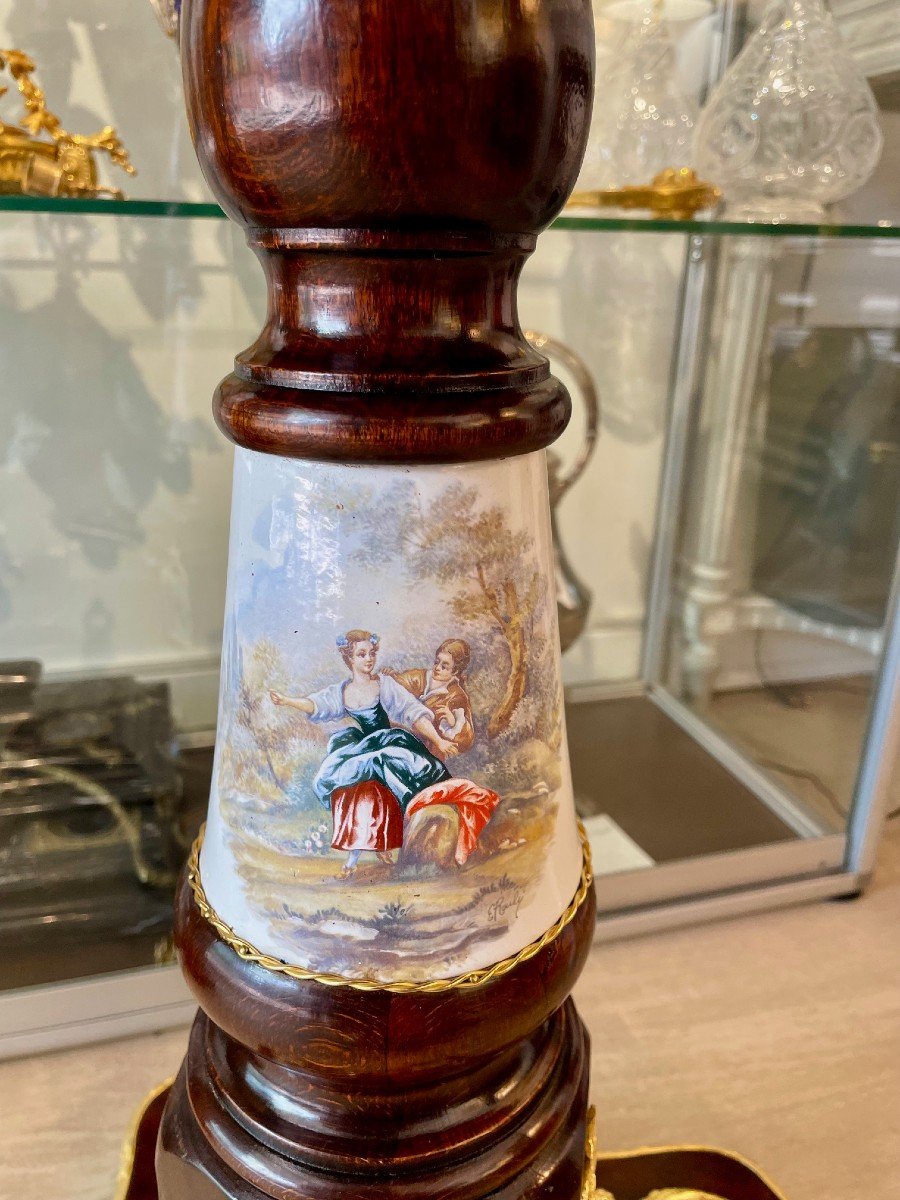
(643, 121)
(791, 126)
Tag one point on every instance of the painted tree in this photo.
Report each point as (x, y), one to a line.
(488, 570)
(263, 669)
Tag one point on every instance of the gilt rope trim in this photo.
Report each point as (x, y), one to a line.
(470, 979)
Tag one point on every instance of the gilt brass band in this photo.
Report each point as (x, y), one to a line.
(470, 979)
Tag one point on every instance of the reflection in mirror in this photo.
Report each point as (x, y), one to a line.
(790, 525)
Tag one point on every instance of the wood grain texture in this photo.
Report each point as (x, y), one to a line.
(391, 162)
(409, 1037)
(463, 115)
(628, 1176)
(292, 1088)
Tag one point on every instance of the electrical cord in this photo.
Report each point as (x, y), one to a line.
(793, 696)
(810, 777)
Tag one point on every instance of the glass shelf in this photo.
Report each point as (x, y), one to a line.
(572, 222)
(578, 222)
(109, 208)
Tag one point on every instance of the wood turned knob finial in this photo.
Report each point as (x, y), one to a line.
(389, 114)
(392, 162)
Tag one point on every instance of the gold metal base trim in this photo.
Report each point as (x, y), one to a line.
(129, 1146)
(469, 979)
(591, 1190)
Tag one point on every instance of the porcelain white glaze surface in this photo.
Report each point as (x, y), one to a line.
(391, 795)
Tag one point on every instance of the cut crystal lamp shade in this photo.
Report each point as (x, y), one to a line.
(791, 126)
(643, 121)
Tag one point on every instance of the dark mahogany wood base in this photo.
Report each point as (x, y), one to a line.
(295, 1089)
(627, 1176)
(515, 1130)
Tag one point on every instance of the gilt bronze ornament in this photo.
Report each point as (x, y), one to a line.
(62, 163)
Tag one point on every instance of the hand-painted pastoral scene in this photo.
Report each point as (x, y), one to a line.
(391, 796)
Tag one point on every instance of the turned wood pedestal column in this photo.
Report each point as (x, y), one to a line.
(392, 900)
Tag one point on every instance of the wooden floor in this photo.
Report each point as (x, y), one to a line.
(776, 1035)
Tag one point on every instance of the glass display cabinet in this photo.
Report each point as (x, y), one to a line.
(751, 760)
(731, 703)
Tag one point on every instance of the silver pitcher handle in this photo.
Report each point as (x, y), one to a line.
(584, 381)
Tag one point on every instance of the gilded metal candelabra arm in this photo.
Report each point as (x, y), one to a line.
(63, 166)
(675, 192)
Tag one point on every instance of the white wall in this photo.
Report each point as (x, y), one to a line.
(114, 484)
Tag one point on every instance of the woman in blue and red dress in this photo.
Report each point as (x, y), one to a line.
(386, 763)
(376, 765)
